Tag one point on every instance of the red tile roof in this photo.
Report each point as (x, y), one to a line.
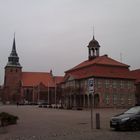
(136, 74)
(58, 79)
(104, 74)
(102, 60)
(102, 66)
(35, 78)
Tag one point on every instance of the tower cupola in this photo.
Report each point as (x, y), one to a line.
(93, 49)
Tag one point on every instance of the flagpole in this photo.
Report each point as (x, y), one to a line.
(33, 96)
(38, 93)
(55, 95)
(48, 95)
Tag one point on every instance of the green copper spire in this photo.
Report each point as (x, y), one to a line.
(13, 59)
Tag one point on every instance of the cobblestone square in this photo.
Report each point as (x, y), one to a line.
(55, 124)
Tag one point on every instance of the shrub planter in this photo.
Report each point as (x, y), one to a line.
(7, 119)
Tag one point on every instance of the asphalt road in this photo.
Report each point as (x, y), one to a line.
(54, 124)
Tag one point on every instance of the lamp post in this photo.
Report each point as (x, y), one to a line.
(91, 110)
(38, 93)
(55, 95)
(91, 93)
(48, 95)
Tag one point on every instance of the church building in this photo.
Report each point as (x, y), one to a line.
(32, 87)
(108, 81)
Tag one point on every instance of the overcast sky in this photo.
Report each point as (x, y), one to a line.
(53, 34)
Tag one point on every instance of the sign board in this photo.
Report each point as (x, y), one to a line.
(91, 85)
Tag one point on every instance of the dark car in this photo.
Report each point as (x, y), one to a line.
(129, 120)
(43, 104)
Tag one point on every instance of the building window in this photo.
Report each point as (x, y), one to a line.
(85, 83)
(122, 99)
(107, 84)
(99, 83)
(115, 98)
(118, 84)
(76, 84)
(130, 98)
(121, 84)
(114, 84)
(126, 84)
(107, 98)
(11, 70)
(129, 83)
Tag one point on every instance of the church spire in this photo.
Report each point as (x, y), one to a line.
(13, 59)
(13, 52)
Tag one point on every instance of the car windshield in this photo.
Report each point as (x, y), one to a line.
(133, 110)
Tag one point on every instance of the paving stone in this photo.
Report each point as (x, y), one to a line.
(51, 124)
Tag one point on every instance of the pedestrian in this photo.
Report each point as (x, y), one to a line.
(17, 104)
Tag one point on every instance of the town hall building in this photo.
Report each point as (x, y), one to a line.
(113, 85)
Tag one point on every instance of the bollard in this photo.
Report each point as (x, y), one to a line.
(97, 121)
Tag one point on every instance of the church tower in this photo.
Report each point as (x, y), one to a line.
(12, 80)
(93, 49)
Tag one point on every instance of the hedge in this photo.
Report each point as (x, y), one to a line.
(7, 119)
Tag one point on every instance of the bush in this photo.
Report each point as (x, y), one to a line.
(7, 119)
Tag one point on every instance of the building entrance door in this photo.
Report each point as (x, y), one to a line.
(96, 100)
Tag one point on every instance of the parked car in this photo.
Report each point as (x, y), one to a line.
(33, 103)
(129, 120)
(43, 104)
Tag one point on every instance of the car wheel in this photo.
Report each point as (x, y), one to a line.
(117, 129)
(134, 126)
